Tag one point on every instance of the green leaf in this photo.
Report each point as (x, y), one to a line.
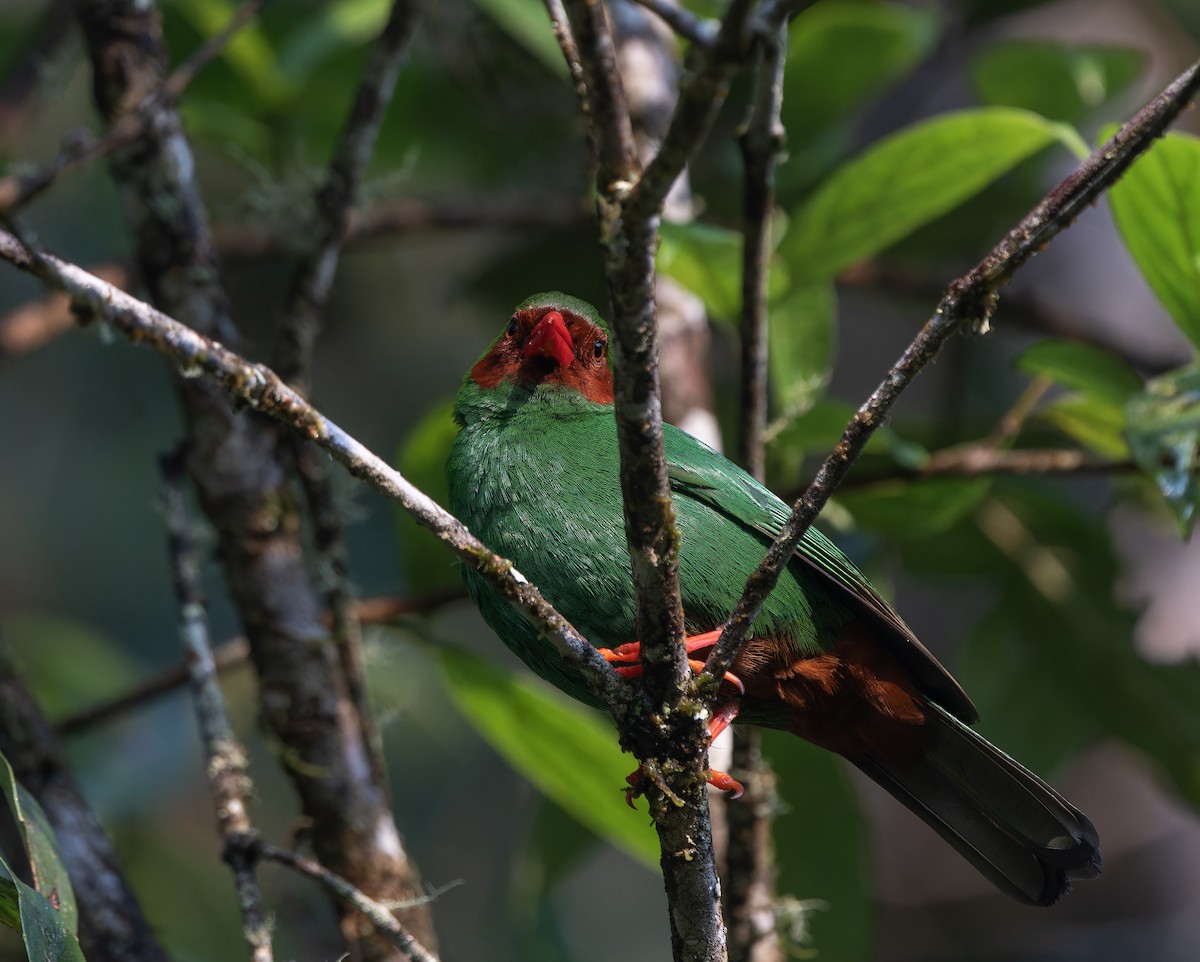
(841, 53)
(707, 260)
(10, 901)
(422, 460)
(800, 334)
(40, 846)
(527, 23)
(1156, 206)
(1163, 431)
(1092, 421)
(907, 180)
(1058, 81)
(1090, 370)
(916, 508)
(821, 848)
(47, 932)
(564, 749)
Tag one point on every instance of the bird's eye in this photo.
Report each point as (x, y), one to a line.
(598, 348)
(511, 330)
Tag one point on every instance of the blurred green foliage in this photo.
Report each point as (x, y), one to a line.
(483, 109)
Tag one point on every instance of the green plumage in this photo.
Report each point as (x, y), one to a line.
(534, 472)
(549, 497)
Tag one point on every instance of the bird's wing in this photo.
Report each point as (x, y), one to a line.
(698, 472)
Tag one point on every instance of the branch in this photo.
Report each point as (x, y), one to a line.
(258, 387)
(380, 915)
(761, 140)
(225, 756)
(968, 301)
(750, 873)
(313, 279)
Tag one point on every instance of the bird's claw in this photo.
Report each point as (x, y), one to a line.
(719, 780)
(628, 656)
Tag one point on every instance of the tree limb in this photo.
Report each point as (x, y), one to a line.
(225, 756)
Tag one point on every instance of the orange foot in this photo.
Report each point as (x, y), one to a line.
(720, 780)
(629, 655)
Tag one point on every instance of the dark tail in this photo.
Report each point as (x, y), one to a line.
(1017, 830)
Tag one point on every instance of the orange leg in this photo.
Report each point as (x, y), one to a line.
(720, 780)
(628, 657)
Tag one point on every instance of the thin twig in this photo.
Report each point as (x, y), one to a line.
(977, 460)
(970, 300)
(761, 141)
(257, 386)
(700, 100)
(81, 147)
(612, 140)
(225, 756)
(385, 609)
(379, 914)
(750, 862)
(311, 284)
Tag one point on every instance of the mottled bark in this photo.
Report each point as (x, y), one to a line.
(246, 492)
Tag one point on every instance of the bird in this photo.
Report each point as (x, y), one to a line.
(534, 473)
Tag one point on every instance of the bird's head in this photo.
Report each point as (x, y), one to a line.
(551, 339)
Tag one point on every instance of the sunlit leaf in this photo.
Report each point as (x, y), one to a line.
(800, 355)
(1059, 81)
(1156, 206)
(1092, 421)
(422, 460)
(527, 23)
(821, 848)
(907, 180)
(1085, 368)
(566, 750)
(707, 260)
(1164, 435)
(40, 846)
